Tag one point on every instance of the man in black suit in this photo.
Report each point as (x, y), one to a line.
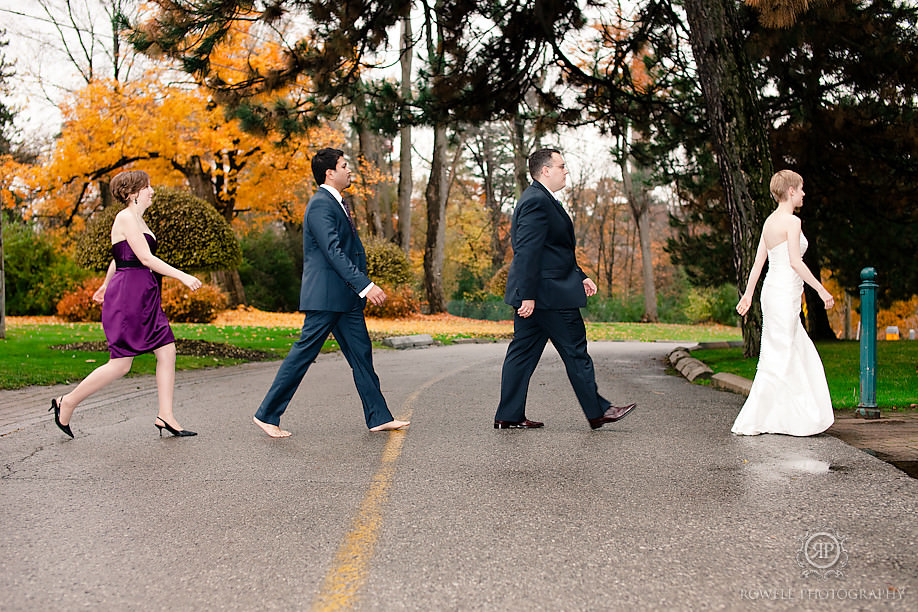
(333, 292)
(547, 288)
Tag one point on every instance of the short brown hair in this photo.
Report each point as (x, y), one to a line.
(782, 181)
(539, 160)
(126, 184)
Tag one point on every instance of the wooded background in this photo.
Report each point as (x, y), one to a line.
(439, 102)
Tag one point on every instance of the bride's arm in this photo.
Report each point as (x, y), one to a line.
(796, 262)
(761, 254)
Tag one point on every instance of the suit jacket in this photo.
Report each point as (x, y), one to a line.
(334, 260)
(544, 266)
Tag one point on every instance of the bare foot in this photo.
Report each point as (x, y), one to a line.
(272, 430)
(391, 425)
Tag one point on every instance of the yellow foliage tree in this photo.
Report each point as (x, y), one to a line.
(178, 134)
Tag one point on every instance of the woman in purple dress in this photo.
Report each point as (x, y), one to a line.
(132, 316)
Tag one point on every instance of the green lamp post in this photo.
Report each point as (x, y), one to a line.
(867, 407)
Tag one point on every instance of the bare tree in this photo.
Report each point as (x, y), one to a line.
(634, 181)
(405, 180)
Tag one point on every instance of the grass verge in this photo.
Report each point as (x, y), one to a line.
(897, 371)
(26, 359)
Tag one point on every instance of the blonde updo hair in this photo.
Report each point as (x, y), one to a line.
(129, 183)
(781, 183)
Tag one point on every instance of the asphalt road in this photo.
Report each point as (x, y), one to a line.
(663, 510)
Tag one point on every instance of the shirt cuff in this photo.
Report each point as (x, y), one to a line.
(364, 293)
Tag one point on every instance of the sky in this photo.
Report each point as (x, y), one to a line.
(43, 73)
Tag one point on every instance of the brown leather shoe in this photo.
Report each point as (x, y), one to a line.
(524, 424)
(614, 413)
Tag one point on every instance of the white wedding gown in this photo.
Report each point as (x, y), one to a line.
(789, 394)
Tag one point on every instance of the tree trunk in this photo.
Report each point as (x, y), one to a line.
(650, 286)
(405, 181)
(639, 201)
(739, 136)
(105, 195)
(435, 195)
(520, 156)
(199, 181)
(369, 150)
(231, 283)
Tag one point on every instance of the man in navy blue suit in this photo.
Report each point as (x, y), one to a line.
(547, 288)
(333, 292)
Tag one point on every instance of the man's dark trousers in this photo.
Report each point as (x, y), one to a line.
(565, 329)
(350, 330)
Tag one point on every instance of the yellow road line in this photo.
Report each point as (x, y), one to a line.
(352, 561)
(349, 571)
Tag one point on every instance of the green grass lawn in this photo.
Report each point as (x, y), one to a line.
(27, 360)
(25, 357)
(897, 371)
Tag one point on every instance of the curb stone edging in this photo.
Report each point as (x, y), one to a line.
(691, 368)
(688, 366)
(402, 342)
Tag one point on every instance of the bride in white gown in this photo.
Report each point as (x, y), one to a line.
(789, 394)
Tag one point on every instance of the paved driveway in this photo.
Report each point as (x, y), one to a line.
(663, 510)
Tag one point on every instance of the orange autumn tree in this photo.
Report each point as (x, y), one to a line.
(178, 134)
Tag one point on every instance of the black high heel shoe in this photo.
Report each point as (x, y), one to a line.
(56, 407)
(175, 432)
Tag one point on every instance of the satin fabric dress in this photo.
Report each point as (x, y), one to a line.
(789, 394)
(132, 313)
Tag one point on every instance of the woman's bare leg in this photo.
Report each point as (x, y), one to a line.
(165, 383)
(97, 379)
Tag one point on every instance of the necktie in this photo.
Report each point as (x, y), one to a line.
(350, 219)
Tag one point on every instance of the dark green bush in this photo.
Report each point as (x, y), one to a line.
(37, 271)
(717, 304)
(490, 309)
(190, 233)
(387, 264)
(607, 309)
(272, 265)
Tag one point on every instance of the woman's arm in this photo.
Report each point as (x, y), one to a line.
(99, 295)
(796, 262)
(761, 255)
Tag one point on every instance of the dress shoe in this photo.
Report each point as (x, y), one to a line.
(180, 433)
(614, 413)
(524, 424)
(56, 407)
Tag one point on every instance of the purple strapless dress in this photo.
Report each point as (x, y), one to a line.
(132, 313)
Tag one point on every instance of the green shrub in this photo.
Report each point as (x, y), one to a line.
(272, 265)
(614, 308)
(182, 305)
(36, 269)
(387, 263)
(400, 302)
(190, 234)
(706, 304)
(78, 305)
(490, 309)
